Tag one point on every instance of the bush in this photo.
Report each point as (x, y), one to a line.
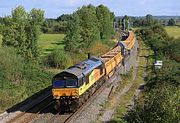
(58, 59)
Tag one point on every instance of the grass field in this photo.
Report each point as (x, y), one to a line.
(173, 31)
(48, 42)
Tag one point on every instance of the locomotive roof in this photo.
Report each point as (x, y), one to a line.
(83, 68)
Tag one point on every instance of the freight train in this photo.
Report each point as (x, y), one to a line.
(73, 86)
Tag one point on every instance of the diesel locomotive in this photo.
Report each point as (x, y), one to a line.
(73, 86)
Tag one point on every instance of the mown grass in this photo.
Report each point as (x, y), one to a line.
(49, 42)
(173, 31)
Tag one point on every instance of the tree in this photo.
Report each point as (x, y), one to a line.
(36, 18)
(125, 22)
(149, 20)
(105, 19)
(64, 17)
(89, 23)
(171, 22)
(73, 38)
(21, 30)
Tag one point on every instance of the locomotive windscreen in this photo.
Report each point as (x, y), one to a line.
(68, 83)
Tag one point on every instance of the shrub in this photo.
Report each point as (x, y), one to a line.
(58, 59)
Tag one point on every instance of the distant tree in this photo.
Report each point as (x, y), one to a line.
(21, 30)
(149, 20)
(171, 22)
(64, 17)
(125, 22)
(73, 38)
(55, 26)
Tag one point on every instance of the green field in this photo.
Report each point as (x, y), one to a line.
(48, 42)
(173, 31)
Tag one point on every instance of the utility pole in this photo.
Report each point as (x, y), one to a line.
(124, 24)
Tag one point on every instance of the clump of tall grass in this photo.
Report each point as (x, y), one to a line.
(59, 59)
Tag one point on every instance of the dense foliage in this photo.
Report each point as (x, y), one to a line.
(161, 95)
(21, 30)
(87, 25)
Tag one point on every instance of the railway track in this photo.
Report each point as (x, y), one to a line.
(33, 110)
(67, 117)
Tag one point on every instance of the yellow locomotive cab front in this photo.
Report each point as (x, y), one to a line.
(68, 92)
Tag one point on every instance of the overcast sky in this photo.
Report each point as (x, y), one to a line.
(54, 8)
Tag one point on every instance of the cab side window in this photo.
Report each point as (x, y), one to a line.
(80, 82)
(87, 79)
(101, 69)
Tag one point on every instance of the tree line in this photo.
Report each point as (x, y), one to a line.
(146, 21)
(58, 25)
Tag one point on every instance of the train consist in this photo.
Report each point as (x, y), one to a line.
(73, 86)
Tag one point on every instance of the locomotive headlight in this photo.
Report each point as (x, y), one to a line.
(56, 97)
